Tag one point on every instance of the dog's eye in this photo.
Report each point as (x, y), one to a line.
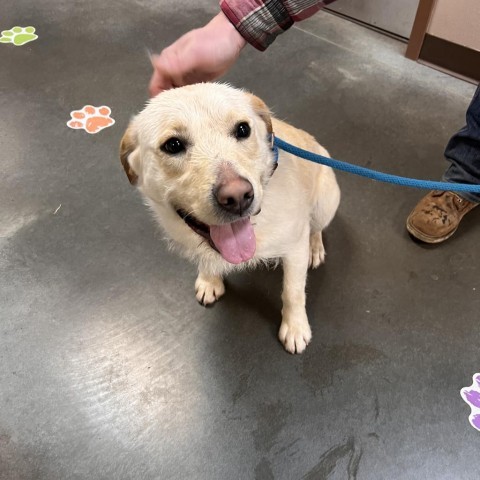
(243, 130)
(173, 146)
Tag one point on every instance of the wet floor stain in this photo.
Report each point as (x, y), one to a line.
(330, 460)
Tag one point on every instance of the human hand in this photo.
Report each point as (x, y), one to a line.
(200, 55)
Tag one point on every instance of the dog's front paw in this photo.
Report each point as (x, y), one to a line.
(295, 336)
(208, 289)
(317, 250)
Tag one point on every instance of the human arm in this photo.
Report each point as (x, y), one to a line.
(260, 22)
(207, 53)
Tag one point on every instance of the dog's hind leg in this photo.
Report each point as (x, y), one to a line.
(322, 214)
(317, 250)
(208, 288)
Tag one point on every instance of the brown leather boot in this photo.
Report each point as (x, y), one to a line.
(437, 216)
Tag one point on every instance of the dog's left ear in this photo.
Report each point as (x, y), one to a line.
(129, 155)
(262, 111)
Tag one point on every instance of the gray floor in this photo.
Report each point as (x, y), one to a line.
(109, 369)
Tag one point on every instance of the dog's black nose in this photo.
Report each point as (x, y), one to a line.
(235, 196)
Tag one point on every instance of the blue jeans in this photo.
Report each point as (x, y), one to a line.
(463, 151)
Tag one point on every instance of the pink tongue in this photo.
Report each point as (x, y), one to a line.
(235, 241)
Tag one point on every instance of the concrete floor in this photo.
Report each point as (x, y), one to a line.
(109, 369)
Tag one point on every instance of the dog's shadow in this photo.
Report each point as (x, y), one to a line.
(253, 296)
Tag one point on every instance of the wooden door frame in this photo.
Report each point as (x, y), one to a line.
(419, 29)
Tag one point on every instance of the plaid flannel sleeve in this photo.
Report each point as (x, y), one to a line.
(260, 22)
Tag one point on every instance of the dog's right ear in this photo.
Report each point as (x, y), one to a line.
(129, 155)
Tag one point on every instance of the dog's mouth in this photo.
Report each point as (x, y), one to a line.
(235, 242)
(197, 226)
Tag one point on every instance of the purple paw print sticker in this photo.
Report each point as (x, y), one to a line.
(471, 395)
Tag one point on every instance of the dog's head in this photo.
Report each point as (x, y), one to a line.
(204, 151)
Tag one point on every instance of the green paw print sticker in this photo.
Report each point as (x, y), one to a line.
(18, 35)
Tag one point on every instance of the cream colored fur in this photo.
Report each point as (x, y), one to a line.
(297, 202)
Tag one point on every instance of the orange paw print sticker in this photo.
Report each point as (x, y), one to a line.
(91, 119)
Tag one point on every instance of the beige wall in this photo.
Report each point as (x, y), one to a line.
(457, 21)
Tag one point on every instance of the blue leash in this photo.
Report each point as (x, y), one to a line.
(367, 172)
